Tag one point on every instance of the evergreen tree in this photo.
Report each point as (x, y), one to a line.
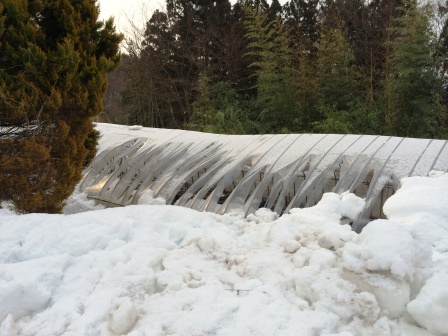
(203, 113)
(441, 40)
(336, 70)
(55, 58)
(189, 38)
(2, 22)
(347, 66)
(276, 92)
(416, 84)
(302, 17)
(219, 109)
(307, 85)
(301, 22)
(341, 105)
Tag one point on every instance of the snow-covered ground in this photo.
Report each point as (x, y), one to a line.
(165, 270)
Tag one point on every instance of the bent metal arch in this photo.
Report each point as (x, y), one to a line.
(219, 173)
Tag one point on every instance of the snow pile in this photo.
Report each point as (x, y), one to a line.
(421, 206)
(148, 199)
(78, 202)
(430, 308)
(388, 261)
(135, 127)
(164, 270)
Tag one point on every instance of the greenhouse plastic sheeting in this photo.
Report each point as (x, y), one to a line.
(220, 173)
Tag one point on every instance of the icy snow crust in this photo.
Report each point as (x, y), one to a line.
(166, 270)
(223, 173)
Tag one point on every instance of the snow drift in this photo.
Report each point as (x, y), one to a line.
(166, 270)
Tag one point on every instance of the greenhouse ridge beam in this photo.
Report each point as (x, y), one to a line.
(220, 173)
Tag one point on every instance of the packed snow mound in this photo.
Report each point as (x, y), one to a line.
(421, 204)
(430, 308)
(384, 247)
(78, 202)
(164, 270)
(148, 198)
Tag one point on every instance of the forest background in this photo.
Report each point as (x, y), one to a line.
(327, 66)
(321, 66)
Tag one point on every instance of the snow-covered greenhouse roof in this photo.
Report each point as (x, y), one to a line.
(218, 173)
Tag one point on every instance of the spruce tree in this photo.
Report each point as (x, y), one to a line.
(341, 104)
(416, 83)
(276, 92)
(55, 58)
(219, 109)
(202, 118)
(2, 21)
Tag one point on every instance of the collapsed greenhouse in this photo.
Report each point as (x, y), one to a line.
(220, 173)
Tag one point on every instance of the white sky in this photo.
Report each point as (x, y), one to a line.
(136, 10)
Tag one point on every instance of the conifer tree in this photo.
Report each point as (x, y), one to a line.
(276, 92)
(189, 38)
(218, 109)
(55, 58)
(342, 104)
(336, 70)
(346, 66)
(416, 83)
(301, 21)
(2, 20)
(203, 113)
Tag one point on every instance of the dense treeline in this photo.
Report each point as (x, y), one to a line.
(54, 60)
(339, 66)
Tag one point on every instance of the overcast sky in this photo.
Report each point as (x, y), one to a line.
(136, 10)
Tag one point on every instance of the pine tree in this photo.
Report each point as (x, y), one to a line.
(336, 70)
(2, 21)
(270, 55)
(189, 38)
(341, 105)
(219, 109)
(302, 17)
(203, 113)
(416, 83)
(301, 22)
(55, 58)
